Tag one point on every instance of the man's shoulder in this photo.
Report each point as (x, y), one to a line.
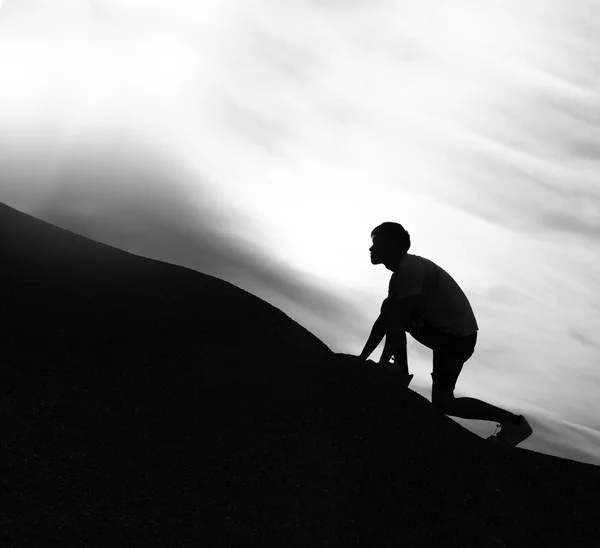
(413, 264)
(418, 259)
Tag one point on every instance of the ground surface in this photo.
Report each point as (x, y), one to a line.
(144, 404)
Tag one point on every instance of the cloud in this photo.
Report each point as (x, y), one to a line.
(567, 440)
(582, 220)
(579, 336)
(585, 149)
(64, 9)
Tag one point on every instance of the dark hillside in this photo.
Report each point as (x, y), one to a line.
(145, 404)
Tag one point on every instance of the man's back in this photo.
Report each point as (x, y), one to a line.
(443, 306)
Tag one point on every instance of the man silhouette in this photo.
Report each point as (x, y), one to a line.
(425, 301)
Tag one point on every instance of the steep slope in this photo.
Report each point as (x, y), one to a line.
(66, 292)
(145, 404)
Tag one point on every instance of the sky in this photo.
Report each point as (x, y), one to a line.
(262, 141)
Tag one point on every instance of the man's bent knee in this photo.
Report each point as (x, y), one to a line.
(442, 399)
(444, 406)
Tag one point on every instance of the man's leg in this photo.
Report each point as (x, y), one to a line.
(471, 408)
(448, 361)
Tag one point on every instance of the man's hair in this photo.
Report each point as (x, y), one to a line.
(393, 234)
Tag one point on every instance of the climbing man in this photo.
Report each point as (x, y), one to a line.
(425, 301)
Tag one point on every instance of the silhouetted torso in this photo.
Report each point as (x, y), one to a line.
(443, 306)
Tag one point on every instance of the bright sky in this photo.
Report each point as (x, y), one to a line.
(261, 142)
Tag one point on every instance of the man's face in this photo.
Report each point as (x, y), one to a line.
(378, 252)
(382, 253)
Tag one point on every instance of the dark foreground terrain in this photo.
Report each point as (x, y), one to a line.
(144, 404)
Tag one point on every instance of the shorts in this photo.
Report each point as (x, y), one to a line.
(450, 353)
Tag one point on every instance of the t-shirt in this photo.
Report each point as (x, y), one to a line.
(442, 306)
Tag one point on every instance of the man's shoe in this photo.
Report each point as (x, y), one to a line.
(511, 435)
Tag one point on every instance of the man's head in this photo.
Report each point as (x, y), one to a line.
(391, 243)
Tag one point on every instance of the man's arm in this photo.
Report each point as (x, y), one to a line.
(376, 336)
(395, 340)
(396, 317)
(391, 324)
